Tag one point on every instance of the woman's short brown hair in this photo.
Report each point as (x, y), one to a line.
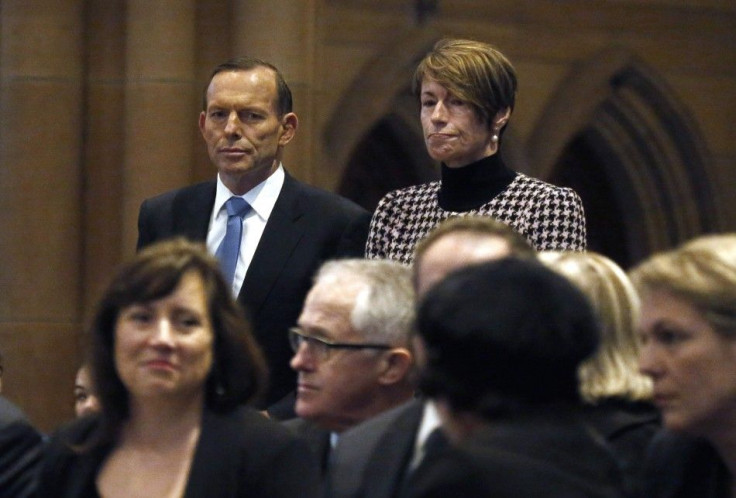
(474, 72)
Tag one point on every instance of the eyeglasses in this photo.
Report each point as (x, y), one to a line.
(322, 348)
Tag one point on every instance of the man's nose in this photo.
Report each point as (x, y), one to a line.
(232, 127)
(302, 359)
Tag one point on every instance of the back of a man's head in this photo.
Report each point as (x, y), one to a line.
(504, 333)
(462, 241)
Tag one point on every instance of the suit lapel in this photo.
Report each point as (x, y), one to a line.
(319, 441)
(385, 473)
(280, 237)
(192, 210)
(205, 477)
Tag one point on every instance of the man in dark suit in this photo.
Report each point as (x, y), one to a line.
(20, 452)
(352, 348)
(375, 458)
(285, 229)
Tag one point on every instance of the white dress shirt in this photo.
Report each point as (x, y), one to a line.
(262, 199)
(430, 422)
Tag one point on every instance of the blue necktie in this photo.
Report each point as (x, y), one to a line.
(229, 249)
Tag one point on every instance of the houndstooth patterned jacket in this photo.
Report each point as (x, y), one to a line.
(550, 217)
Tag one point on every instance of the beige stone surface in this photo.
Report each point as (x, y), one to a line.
(41, 359)
(99, 102)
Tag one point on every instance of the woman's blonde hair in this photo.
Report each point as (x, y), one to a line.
(701, 271)
(613, 370)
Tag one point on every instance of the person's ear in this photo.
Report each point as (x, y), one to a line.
(202, 119)
(501, 118)
(395, 366)
(289, 124)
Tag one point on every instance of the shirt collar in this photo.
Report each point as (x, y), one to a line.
(261, 198)
(430, 421)
(334, 437)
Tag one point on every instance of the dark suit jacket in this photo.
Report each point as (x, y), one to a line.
(20, 452)
(549, 454)
(307, 227)
(679, 466)
(628, 427)
(317, 439)
(239, 454)
(371, 459)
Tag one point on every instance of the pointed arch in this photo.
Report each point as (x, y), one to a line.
(369, 98)
(640, 141)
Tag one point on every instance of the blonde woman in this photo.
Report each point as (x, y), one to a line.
(688, 323)
(617, 395)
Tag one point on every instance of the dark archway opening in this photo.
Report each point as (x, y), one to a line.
(581, 168)
(390, 156)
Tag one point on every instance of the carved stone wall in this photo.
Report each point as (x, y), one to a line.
(632, 102)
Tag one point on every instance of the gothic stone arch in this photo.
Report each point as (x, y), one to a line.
(616, 133)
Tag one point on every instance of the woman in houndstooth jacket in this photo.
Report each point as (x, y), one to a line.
(466, 91)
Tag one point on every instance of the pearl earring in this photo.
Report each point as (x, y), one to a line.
(494, 138)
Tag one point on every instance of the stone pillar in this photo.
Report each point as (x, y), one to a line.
(40, 203)
(104, 146)
(161, 104)
(282, 32)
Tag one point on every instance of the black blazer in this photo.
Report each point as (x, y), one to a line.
(307, 227)
(681, 466)
(372, 458)
(317, 438)
(628, 427)
(20, 452)
(550, 454)
(239, 454)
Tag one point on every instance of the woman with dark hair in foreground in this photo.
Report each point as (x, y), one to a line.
(174, 361)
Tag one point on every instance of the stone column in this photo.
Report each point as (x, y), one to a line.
(104, 146)
(161, 104)
(40, 203)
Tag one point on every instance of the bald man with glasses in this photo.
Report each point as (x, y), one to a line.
(352, 348)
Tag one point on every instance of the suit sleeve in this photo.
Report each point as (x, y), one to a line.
(558, 221)
(144, 233)
(353, 240)
(292, 471)
(20, 456)
(384, 218)
(155, 220)
(444, 478)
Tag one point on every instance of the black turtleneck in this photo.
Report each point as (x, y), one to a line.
(471, 186)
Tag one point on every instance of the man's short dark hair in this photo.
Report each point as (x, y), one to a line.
(284, 102)
(519, 246)
(504, 333)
